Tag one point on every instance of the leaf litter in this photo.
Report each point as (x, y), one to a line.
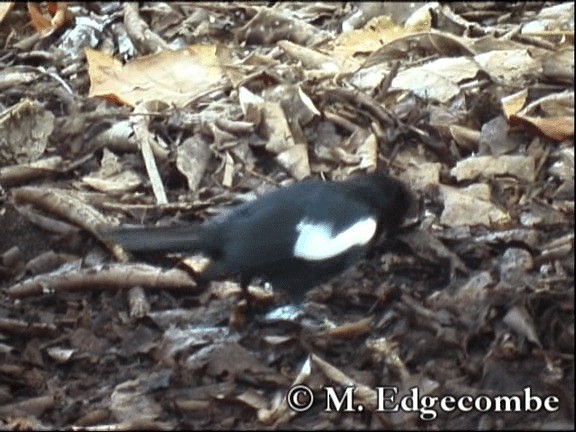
(164, 112)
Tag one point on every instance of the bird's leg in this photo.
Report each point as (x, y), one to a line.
(244, 283)
(243, 311)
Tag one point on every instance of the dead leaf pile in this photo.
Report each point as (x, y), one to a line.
(162, 112)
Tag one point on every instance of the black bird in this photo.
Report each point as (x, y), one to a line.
(294, 238)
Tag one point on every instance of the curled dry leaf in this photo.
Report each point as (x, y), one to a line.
(541, 214)
(552, 105)
(17, 174)
(131, 401)
(308, 102)
(5, 8)
(362, 393)
(61, 17)
(28, 408)
(521, 322)
(251, 104)
(253, 399)
(429, 247)
(279, 412)
(554, 20)
(365, 11)
(192, 158)
(110, 177)
(438, 80)
(350, 330)
(276, 128)
(443, 44)
(118, 137)
(558, 129)
(559, 65)
(140, 33)
(119, 183)
(10, 77)
(65, 205)
(521, 167)
(513, 103)
(470, 295)
(269, 26)
(423, 174)
(421, 19)
(295, 161)
(228, 176)
(471, 206)
(466, 138)
(310, 58)
(368, 153)
(114, 276)
(138, 303)
(514, 265)
(60, 355)
(378, 31)
(24, 132)
(27, 329)
(551, 115)
(509, 66)
(495, 138)
(386, 351)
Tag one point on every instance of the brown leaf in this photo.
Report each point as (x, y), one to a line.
(173, 77)
(558, 128)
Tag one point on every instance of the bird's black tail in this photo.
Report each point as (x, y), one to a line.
(185, 238)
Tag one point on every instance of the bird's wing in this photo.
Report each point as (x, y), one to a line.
(311, 221)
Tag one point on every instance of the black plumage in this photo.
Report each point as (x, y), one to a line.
(294, 238)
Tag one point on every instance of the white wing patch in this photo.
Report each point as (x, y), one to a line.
(317, 242)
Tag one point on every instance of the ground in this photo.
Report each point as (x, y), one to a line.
(169, 112)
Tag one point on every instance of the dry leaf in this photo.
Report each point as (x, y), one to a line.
(513, 103)
(5, 8)
(509, 66)
(61, 17)
(192, 158)
(40, 23)
(439, 79)
(295, 161)
(24, 132)
(423, 174)
(276, 128)
(558, 129)
(311, 59)
(115, 184)
(228, 176)
(521, 322)
(110, 178)
(522, 167)
(464, 137)
(471, 206)
(173, 77)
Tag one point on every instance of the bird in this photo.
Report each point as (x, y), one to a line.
(294, 238)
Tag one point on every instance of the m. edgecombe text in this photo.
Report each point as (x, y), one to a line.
(301, 398)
